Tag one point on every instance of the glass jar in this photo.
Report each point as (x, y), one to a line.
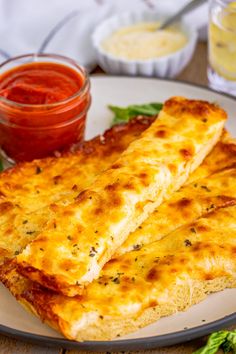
(30, 131)
(222, 46)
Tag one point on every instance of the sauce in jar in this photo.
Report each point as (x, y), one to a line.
(43, 106)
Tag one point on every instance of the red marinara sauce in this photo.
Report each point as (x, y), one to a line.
(43, 106)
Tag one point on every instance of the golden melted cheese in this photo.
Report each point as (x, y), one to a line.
(189, 203)
(161, 278)
(87, 232)
(29, 190)
(30, 186)
(222, 156)
(24, 227)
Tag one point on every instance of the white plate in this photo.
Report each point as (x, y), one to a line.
(216, 312)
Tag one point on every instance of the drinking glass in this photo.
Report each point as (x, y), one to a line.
(222, 46)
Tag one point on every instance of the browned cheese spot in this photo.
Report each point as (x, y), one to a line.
(226, 200)
(67, 212)
(184, 203)
(116, 166)
(209, 276)
(82, 196)
(202, 228)
(161, 133)
(8, 231)
(233, 250)
(112, 187)
(143, 176)
(153, 303)
(173, 270)
(115, 199)
(5, 207)
(54, 207)
(153, 275)
(187, 154)
(182, 260)
(129, 186)
(98, 211)
(201, 247)
(57, 179)
(113, 260)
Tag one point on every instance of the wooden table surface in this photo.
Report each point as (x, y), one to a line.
(195, 73)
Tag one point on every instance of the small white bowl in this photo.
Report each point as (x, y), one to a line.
(166, 66)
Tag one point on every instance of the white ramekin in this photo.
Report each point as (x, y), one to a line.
(166, 66)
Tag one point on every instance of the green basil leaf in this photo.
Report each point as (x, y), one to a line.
(213, 344)
(124, 114)
(229, 346)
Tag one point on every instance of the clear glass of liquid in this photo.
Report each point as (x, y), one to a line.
(222, 46)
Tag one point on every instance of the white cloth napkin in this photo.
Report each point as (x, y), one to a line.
(65, 26)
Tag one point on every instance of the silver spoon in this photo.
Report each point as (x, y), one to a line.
(189, 7)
